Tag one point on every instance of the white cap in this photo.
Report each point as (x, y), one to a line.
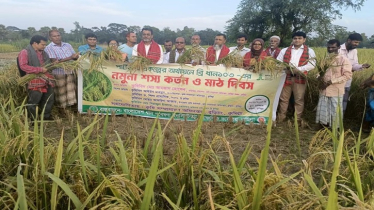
(277, 37)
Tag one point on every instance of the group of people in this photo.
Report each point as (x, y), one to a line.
(60, 85)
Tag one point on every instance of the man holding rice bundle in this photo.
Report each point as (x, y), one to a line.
(240, 48)
(218, 50)
(198, 57)
(65, 90)
(297, 57)
(349, 51)
(148, 48)
(331, 85)
(40, 90)
(273, 50)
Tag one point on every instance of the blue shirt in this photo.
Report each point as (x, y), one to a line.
(126, 49)
(84, 48)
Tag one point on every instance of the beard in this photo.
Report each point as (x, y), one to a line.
(217, 47)
(146, 40)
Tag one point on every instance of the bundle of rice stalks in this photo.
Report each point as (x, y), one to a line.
(66, 66)
(94, 59)
(232, 60)
(323, 63)
(195, 54)
(96, 86)
(139, 63)
(113, 54)
(267, 64)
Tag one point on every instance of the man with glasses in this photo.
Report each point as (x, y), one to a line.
(173, 55)
(148, 48)
(91, 45)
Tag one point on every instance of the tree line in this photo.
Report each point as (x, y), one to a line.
(105, 33)
(255, 18)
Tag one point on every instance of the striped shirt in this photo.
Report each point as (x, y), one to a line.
(60, 52)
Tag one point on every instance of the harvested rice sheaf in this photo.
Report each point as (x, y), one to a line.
(139, 63)
(193, 54)
(232, 60)
(96, 86)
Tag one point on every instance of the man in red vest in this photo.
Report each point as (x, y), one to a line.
(148, 47)
(297, 58)
(218, 50)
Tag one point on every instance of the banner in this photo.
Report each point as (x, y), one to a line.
(227, 94)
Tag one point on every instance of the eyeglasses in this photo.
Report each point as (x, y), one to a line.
(112, 44)
(257, 44)
(179, 42)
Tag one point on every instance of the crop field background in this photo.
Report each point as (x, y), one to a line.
(84, 161)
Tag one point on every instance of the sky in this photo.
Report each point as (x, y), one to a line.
(198, 14)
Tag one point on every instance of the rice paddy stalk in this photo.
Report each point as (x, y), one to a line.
(22, 200)
(258, 187)
(148, 192)
(332, 202)
(297, 134)
(149, 137)
(104, 140)
(193, 54)
(81, 156)
(355, 173)
(123, 160)
(54, 199)
(72, 196)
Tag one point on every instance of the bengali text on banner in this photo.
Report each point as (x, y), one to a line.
(228, 94)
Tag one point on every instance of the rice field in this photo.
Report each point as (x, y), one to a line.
(124, 162)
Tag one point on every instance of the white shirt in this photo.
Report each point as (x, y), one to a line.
(295, 58)
(242, 52)
(167, 56)
(217, 54)
(135, 52)
(352, 57)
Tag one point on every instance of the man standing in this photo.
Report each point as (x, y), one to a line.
(296, 56)
(273, 50)
(198, 57)
(148, 47)
(129, 45)
(218, 51)
(349, 51)
(331, 85)
(168, 45)
(40, 90)
(173, 55)
(240, 48)
(58, 51)
(91, 45)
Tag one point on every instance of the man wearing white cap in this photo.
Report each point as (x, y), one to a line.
(273, 50)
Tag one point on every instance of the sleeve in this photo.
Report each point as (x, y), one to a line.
(23, 64)
(311, 63)
(355, 65)
(346, 70)
(232, 49)
(281, 55)
(166, 58)
(161, 56)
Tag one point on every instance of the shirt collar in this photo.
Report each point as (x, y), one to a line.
(302, 47)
